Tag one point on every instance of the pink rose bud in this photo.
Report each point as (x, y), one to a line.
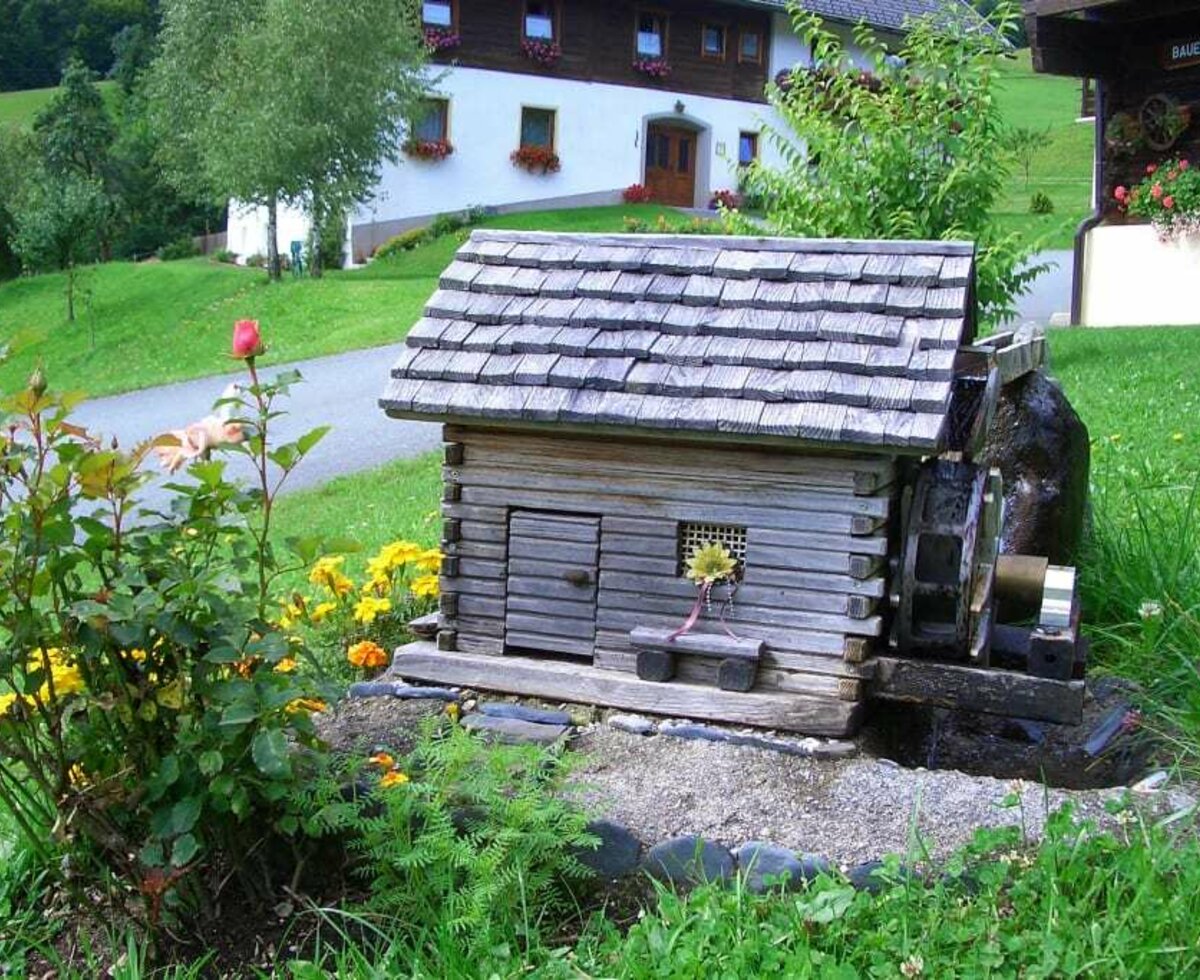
(1121, 193)
(1156, 191)
(1151, 169)
(247, 341)
(1168, 202)
(1184, 165)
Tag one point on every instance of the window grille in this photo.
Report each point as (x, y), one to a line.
(693, 536)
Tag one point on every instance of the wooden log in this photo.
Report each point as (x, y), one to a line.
(714, 645)
(976, 689)
(819, 716)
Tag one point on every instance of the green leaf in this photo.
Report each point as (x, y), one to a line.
(306, 442)
(270, 752)
(151, 854)
(186, 848)
(185, 813)
(211, 762)
(239, 713)
(222, 785)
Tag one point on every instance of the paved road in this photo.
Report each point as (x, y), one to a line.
(340, 391)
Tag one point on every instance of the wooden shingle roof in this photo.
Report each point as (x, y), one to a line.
(829, 342)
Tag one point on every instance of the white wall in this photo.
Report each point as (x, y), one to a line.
(1133, 278)
(248, 229)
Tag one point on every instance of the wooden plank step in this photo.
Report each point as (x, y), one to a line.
(716, 645)
(819, 716)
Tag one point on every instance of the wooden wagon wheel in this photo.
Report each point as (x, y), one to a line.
(1163, 121)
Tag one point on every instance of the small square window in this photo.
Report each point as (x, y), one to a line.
(750, 47)
(747, 149)
(537, 127)
(693, 536)
(432, 122)
(712, 43)
(539, 20)
(437, 13)
(651, 39)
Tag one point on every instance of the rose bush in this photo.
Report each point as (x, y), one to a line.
(152, 714)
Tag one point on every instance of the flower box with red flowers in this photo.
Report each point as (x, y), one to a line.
(652, 67)
(536, 159)
(439, 39)
(546, 54)
(432, 150)
(1168, 195)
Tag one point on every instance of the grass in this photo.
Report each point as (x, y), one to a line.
(1062, 169)
(21, 108)
(152, 323)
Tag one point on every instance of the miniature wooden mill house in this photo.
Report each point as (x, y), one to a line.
(613, 404)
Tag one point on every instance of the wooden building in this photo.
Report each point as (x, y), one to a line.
(613, 403)
(1144, 56)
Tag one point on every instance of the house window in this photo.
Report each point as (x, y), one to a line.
(651, 40)
(539, 21)
(537, 127)
(747, 149)
(712, 42)
(658, 150)
(750, 47)
(433, 121)
(437, 13)
(694, 536)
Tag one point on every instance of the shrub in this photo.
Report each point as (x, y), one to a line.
(727, 200)
(256, 261)
(151, 709)
(404, 242)
(636, 194)
(224, 256)
(1169, 195)
(460, 841)
(927, 158)
(181, 248)
(536, 159)
(1041, 203)
(447, 224)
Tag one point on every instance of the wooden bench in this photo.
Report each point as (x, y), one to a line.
(657, 653)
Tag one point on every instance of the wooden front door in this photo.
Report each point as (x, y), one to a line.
(553, 567)
(671, 165)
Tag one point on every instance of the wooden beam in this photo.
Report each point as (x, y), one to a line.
(567, 681)
(999, 692)
(1075, 48)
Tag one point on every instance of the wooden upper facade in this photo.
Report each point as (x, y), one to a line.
(715, 49)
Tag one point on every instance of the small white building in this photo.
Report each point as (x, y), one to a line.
(596, 95)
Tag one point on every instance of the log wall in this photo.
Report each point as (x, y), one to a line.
(814, 586)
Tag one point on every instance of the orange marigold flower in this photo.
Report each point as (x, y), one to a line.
(393, 778)
(383, 760)
(307, 705)
(367, 655)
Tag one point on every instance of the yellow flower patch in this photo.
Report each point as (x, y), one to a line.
(425, 587)
(368, 608)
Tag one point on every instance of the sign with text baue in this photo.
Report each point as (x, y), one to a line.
(1181, 53)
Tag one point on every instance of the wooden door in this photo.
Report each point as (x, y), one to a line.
(671, 165)
(553, 567)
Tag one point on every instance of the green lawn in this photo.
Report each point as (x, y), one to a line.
(158, 322)
(20, 108)
(1062, 169)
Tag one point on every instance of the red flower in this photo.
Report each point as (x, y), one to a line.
(1168, 202)
(1156, 191)
(247, 341)
(1151, 169)
(1184, 165)
(1121, 193)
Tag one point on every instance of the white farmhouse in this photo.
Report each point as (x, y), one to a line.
(566, 103)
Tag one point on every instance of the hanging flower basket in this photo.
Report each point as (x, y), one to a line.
(439, 39)
(545, 54)
(652, 67)
(536, 159)
(428, 149)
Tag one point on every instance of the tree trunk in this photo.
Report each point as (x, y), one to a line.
(314, 251)
(70, 292)
(273, 238)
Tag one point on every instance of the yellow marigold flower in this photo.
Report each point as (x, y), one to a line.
(327, 573)
(137, 655)
(393, 778)
(7, 700)
(425, 586)
(368, 608)
(452, 711)
(322, 611)
(429, 560)
(286, 665)
(399, 553)
(170, 696)
(383, 760)
(66, 681)
(367, 654)
(306, 705)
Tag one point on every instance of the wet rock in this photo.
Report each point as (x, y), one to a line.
(1108, 729)
(632, 724)
(688, 860)
(514, 731)
(617, 854)
(1041, 447)
(396, 689)
(872, 877)
(1152, 783)
(539, 716)
(768, 866)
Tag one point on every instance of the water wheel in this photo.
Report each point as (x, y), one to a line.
(1162, 121)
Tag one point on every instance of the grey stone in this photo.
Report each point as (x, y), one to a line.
(767, 866)
(1042, 449)
(514, 731)
(617, 854)
(688, 860)
(1108, 728)
(869, 877)
(425, 627)
(633, 724)
(1152, 783)
(808, 748)
(395, 689)
(538, 716)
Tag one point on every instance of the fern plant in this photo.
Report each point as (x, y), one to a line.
(473, 841)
